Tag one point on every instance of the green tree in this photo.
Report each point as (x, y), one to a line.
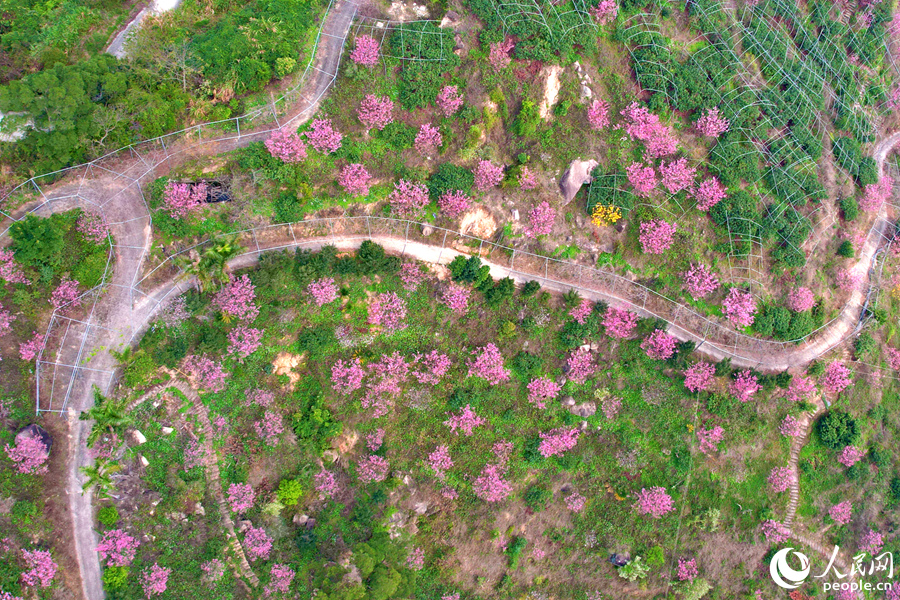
(38, 242)
(448, 178)
(109, 416)
(99, 475)
(837, 429)
(289, 492)
(383, 582)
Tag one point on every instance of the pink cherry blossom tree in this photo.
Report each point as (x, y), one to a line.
(280, 578)
(286, 146)
(257, 544)
(611, 406)
(850, 455)
(659, 345)
(542, 389)
(490, 485)
(10, 271)
(558, 441)
(642, 178)
(487, 175)
(93, 227)
(117, 548)
(801, 389)
(699, 281)
(322, 291)
(241, 497)
(540, 220)
(659, 140)
(428, 139)
(687, 569)
(440, 461)
(776, 533)
(499, 54)
(581, 312)
(801, 299)
(677, 175)
(372, 468)
(580, 365)
(893, 358)
(780, 479)
(326, 483)
(657, 236)
(375, 439)
(269, 428)
(179, 199)
(411, 275)
(605, 12)
(29, 350)
(237, 299)
(41, 568)
(466, 421)
(375, 112)
(354, 178)
(875, 194)
(841, 513)
(619, 323)
(699, 376)
(712, 124)
(388, 310)
(449, 100)
(739, 307)
(837, 377)
(456, 298)
(346, 377)
(207, 373)
(454, 203)
(408, 197)
(154, 580)
(30, 454)
(791, 427)
(710, 438)
(708, 193)
(654, 502)
(848, 280)
(598, 114)
(433, 366)
(488, 364)
(244, 341)
(744, 386)
(871, 542)
(527, 178)
(365, 51)
(65, 295)
(322, 136)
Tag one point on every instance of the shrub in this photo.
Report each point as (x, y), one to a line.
(845, 249)
(849, 208)
(449, 178)
(837, 429)
(289, 492)
(536, 498)
(108, 515)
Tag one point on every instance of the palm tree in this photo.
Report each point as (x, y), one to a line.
(211, 270)
(108, 416)
(99, 476)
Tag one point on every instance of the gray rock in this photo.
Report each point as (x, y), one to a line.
(569, 401)
(300, 520)
(585, 409)
(421, 507)
(199, 510)
(244, 525)
(427, 230)
(578, 173)
(167, 430)
(138, 437)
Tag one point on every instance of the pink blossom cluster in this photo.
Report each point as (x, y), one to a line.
(598, 114)
(179, 199)
(270, 428)
(499, 54)
(388, 310)
(411, 275)
(687, 569)
(428, 139)
(208, 374)
(456, 298)
(487, 175)
(454, 203)
(93, 227)
(605, 12)
(257, 544)
(241, 497)
(488, 364)
(280, 578)
(155, 580)
(286, 146)
(29, 454)
(847, 280)
(323, 291)
(375, 112)
(372, 468)
(354, 178)
(709, 193)
(791, 427)
(107, 446)
(558, 441)
(739, 307)
(801, 299)
(641, 124)
(542, 389)
(611, 406)
(840, 513)
(875, 194)
(871, 542)
(65, 295)
(619, 323)
(117, 548)
(322, 136)
(850, 455)
(237, 299)
(581, 312)
(700, 281)
(502, 451)
(346, 377)
(440, 461)
(780, 479)
(659, 345)
(10, 270)
(193, 454)
(244, 341)
(408, 197)
(709, 439)
(580, 365)
(837, 377)
(893, 358)
(575, 502)
(384, 386)
(375, 439)
(175, 312)
(657, 236)
(540, 220)
(527, 178)
(213, 569)
(466, 421)
(490, 485)
(449, 100)
(775, 532)
(41, 568)
(699, 376)
(29, 350)
(365, 52)
(801, 389)
(416, 559)
(642, 178)
(655, 502)
(712, 124)
(677, 175)
(326, 484)
(434, 366)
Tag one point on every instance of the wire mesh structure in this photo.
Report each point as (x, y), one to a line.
(414, 39)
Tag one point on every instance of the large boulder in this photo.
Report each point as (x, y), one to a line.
(578, 173)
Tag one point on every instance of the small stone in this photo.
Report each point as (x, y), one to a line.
(421, 507)
(244, 525)
(167, 430)
(199, 510)
(144, 461)
(427, 230)
(515, 214)
(569, 401)
(138, 437)
(300, 520)
(330, 455)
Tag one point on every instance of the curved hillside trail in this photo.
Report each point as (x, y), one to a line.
(76, 354)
